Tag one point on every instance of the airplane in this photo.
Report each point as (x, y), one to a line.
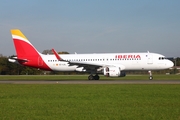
(108, 64)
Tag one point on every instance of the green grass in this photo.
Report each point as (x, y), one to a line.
(89, 102)
(84, 77)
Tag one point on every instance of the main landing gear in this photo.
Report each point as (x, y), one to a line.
(150, 75)
(95, 77)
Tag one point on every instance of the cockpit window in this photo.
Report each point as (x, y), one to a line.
(161, 58)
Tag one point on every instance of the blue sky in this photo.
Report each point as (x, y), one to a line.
(93, 26)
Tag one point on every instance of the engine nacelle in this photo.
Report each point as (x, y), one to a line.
(113, 72)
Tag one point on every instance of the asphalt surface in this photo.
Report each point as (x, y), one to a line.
(91, 82)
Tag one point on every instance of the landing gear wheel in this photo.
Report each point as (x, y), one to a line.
(96, 77)
(90, 77)
(150, 77)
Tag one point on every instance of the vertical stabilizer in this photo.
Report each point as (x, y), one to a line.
(26, 53)
(24, 48)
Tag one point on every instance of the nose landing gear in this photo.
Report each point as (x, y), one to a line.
(150, 75)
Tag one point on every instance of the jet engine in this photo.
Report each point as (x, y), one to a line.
(113, 72)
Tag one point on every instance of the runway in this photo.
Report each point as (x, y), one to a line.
(90, 82)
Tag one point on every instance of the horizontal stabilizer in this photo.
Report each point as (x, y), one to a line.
(17, 59)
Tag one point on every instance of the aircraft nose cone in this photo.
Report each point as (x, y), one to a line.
(170, 64)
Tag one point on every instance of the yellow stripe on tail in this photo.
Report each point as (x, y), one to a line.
(18, 33)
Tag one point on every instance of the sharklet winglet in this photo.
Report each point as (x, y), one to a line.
(56, 54)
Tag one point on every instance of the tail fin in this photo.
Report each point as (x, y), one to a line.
(24, 48)
(26, 53)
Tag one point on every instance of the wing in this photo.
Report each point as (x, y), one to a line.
(95, 66)
(87, 66)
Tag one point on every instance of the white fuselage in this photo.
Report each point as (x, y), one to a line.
(126, 61)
